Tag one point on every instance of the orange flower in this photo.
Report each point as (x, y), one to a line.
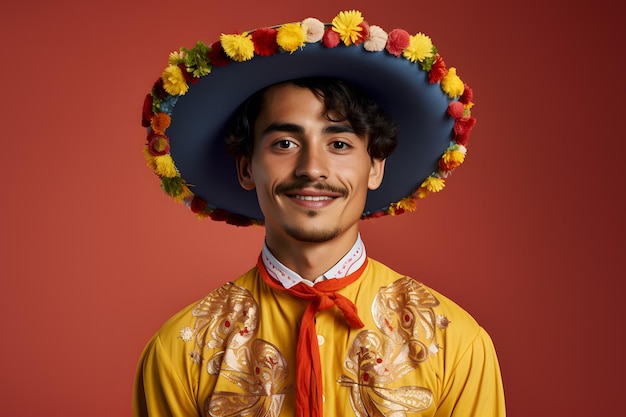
(160, 122)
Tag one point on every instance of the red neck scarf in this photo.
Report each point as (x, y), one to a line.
(321, 296)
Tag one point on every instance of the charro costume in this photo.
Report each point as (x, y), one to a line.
(363, 340)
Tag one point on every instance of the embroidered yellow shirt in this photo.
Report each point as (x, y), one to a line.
(233, 353)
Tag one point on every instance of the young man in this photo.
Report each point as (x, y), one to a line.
(316, 327)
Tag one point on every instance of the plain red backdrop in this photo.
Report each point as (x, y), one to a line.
(528, 235)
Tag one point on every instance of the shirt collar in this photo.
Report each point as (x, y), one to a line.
(351, 261)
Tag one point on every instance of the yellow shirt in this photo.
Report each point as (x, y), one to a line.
(233, 353)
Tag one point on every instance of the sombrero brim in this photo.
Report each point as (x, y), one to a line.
(418, 106)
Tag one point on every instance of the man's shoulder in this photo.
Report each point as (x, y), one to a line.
(219, 298)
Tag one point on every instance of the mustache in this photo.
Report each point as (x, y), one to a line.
(298, 185)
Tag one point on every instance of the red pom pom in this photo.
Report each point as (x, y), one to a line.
(197, 205)
(438, 70)
(397, 41)
(146, 112)
(264, 40)
(330, 38)
(217, 56)
(468, 95)
(456, 109)
(462, 129)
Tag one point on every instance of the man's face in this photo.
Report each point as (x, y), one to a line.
(311, 174)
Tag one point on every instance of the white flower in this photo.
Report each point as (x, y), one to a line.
(313, 29)
(376, 39)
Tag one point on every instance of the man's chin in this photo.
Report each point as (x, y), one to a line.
(312, 235)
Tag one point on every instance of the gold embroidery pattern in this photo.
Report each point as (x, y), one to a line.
(403, 313)
(227, 320)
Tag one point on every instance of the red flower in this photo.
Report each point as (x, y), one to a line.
(158, 89)
(397, 41)
(438, 70)
(375, 214)
(264, 40)
(189, 78)
(468, 95)
(462, 129)
(365, 30)
(456, 109)
(238, 220)
(146, 113)
(219, 215)
(158, 144)
(330, 38)
(217, 56)
(197, 205)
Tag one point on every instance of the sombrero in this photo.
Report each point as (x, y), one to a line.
(189, 107)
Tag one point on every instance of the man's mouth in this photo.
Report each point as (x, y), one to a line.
(312, 198)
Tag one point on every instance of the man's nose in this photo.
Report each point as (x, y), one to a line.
(313, 164)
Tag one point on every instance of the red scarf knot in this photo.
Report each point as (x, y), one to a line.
(321, 296)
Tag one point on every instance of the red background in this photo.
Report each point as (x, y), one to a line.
(528, 235)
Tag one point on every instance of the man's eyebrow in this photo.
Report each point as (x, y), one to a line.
(283, 127)
(339, 128)
(294, 128)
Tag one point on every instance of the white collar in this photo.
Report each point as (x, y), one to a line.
(352, 261)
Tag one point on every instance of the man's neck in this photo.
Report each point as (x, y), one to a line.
(311, 259)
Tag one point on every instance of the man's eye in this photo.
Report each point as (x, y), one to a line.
(284, 144)
(340, 145)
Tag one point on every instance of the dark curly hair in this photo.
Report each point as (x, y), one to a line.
(342, 101)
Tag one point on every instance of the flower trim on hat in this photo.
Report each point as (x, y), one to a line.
(186, 66)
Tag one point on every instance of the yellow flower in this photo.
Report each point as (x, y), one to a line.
(433, 184)
(290, 36)
(407, 204)
(451, 84)
(346, 24)
(420, 47)
(149, 158)
(422, 192)
(452, 158)
(174, 81)
(186, 192)
(176, 58)
(165, 166)
(238, 47)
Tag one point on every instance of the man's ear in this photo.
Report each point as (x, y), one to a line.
(377, 171)
(244, 172)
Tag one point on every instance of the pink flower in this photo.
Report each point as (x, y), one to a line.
(456, 109)
(330, 38)
(397, 41)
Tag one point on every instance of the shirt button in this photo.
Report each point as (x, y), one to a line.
(320, 339)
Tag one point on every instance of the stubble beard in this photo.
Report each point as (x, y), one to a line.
(312, 236)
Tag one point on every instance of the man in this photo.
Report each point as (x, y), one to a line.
(315, 327)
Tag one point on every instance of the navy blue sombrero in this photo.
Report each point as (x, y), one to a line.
(190, 105)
